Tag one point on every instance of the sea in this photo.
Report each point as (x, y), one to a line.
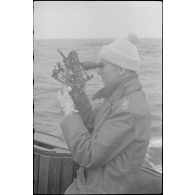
(47, 114)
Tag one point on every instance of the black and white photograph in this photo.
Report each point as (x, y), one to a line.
(97, 97)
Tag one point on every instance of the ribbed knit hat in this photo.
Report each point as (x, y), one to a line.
(122, 52)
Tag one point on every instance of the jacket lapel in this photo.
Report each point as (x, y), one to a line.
(112, 94)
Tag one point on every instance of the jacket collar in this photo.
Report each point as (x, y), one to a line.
(116, 90)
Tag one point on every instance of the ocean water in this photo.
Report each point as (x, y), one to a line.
(46, 111)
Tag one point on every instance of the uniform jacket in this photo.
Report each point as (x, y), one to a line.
(109, 143)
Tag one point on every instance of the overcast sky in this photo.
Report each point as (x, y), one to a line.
(96, 19)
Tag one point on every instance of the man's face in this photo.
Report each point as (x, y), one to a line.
(109, 73)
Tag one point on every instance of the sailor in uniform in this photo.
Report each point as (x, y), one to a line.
(110, 141)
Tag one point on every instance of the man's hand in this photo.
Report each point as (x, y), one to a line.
(87, 65)
(65, 101)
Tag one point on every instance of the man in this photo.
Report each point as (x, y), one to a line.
(109, 143)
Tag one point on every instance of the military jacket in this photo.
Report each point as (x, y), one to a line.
(110, 142)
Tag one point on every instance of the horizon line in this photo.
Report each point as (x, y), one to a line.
(94, 38)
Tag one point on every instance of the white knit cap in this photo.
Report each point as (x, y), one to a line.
(122, 52)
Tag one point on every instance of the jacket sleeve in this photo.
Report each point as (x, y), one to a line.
(84, 107)
(97, 149)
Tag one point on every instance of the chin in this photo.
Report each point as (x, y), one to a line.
(105, 84)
